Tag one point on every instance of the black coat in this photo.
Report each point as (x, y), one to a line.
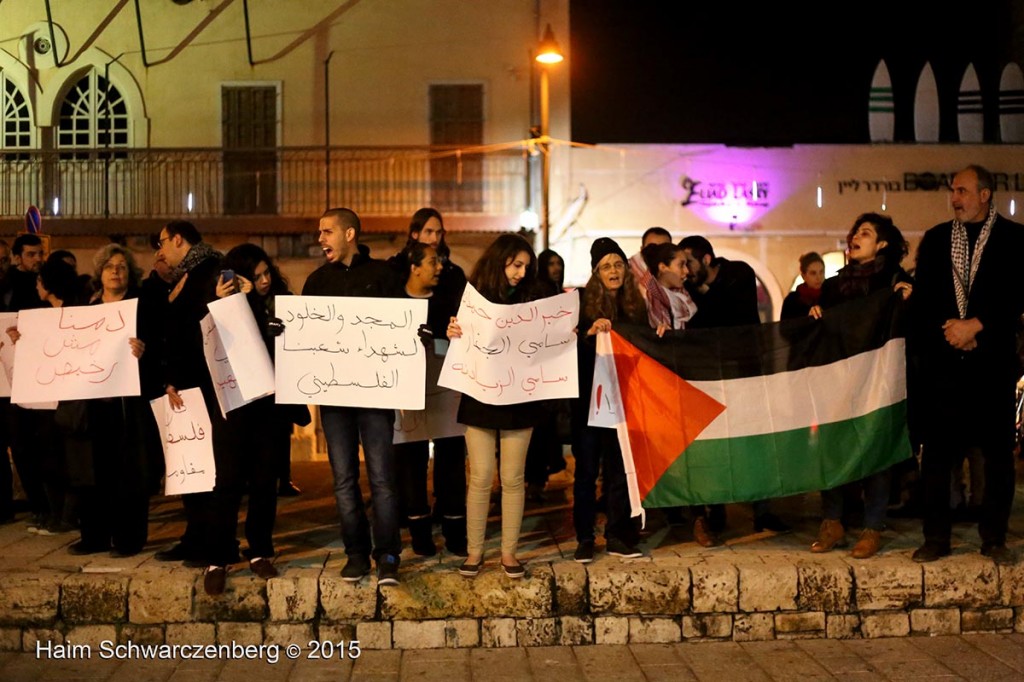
(186, 363)
(969, 395)
(730, 301)
(364, 277)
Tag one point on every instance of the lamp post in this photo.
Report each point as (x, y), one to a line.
(548, 53)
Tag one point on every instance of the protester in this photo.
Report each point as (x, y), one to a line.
(798, 303)
(668, 303)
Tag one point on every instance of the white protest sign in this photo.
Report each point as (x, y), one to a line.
(75, 353)
(229, 397)
(605, 397)
(351, 351)
(510, 354)
(243, 345)
(7, 320)
(187, 439)
(437, 419)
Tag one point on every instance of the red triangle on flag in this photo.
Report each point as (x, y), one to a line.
(664, 412)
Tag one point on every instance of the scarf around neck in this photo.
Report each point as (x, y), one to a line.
(196, 255)
(964, 271)
(807, 295)
(855, 278)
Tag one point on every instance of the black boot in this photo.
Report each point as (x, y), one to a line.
(454, 531)
(422, 534)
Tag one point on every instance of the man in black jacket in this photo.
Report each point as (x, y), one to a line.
(349, 271)
(967, 304)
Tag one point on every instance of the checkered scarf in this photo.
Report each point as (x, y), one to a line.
(964, 272)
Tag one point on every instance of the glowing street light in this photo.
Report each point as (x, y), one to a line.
(548, 53)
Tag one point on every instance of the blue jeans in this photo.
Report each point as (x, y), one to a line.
(344, 429)
(876, 499)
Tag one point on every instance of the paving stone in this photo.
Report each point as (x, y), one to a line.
(161, 596)
(422, 634)
(790, 625)
(240, 633)
(537, 632)
(838, 658)
(969, 580)
(94, 598)
(887, 583)
(722, 660)
(959, 655)
(1018, 620)
(498, 632)
(753, 627)
(190, 633)
(10, 639)
(935, 621)
(244, 600)
(284, 634)
(611, 630)
(661, 663)
(715, 587)
(825, 585)
(294, 597)
(570, 588)
(653, 630)
(499, 663)
(91, 635)
(607, 663)
(785, 660)
(575, 630)
(445, 594)
(639, 587)
(30, 599)
(842, 626)
(885, 624)
(436, 665)
(461, 633)
(374, 635)
(767, 587)
(707, 626)
(553, 664)
(140, 634)
(343, 601)
(986, 620)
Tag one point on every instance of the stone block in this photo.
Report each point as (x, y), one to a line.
(10, 639)
(575, 630)
(986, 620)
(887, 583)
(643, 588)
(284, 634)
(842, 626)
(1011, 584)
(498, 632)
(791, 625)
(1018, 620)
(445, 594)
(338, 633)
(343, 601)
(715, 587)
(707, 626)
(419, 634)
(294, 597)
(825, 585)
(140, 634)
(570, 588)
(935, 621)
(32, 637)
(94, 598)
(91, 635)
(30, 599)
(537, 632)
(161, 596)
(244, 601)
(190, 633)
(611, 630)
(374, 635)
(462, 633)
(244, 634)
(968, 580)
(653, 630)
(885, 624)
(767, 587)
(753, 627)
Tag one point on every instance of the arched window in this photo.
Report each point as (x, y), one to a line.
(15, 119)
(93, 115)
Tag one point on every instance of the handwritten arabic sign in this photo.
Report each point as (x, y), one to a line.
(349, 351)
(229, 395)
(75, 353)
(243, 346)
(514, 353)
(7, 320)
(187, 439)
(437, 419)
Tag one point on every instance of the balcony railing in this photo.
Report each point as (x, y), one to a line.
(286, 182)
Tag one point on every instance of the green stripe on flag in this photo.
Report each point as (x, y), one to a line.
(770, 465)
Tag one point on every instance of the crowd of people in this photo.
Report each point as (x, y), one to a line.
(92, 465)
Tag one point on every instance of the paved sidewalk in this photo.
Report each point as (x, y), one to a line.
(968, 657)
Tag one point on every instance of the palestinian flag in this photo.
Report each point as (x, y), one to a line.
(749, 413)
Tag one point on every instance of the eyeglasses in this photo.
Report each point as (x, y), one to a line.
(608, 267)
(160, 242)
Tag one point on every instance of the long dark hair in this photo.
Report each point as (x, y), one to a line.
(60, 279)
(419, 219)
(543, 260)
(244, 258)
(625, 303)
(489, 274)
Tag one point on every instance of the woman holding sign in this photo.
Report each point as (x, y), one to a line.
(505, 274)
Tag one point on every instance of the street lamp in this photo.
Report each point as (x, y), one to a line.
(548, 53)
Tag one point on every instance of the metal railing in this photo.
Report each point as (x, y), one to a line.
(286, 181)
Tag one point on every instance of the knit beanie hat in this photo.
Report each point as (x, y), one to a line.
(601, 248)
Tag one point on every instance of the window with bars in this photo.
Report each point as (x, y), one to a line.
(457, 120)
(93, 115)
(15, 119)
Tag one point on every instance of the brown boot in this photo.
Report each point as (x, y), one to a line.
(702, 534)
(830, 535)
(867, 546)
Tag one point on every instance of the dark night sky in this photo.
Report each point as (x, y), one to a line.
(719, 72)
